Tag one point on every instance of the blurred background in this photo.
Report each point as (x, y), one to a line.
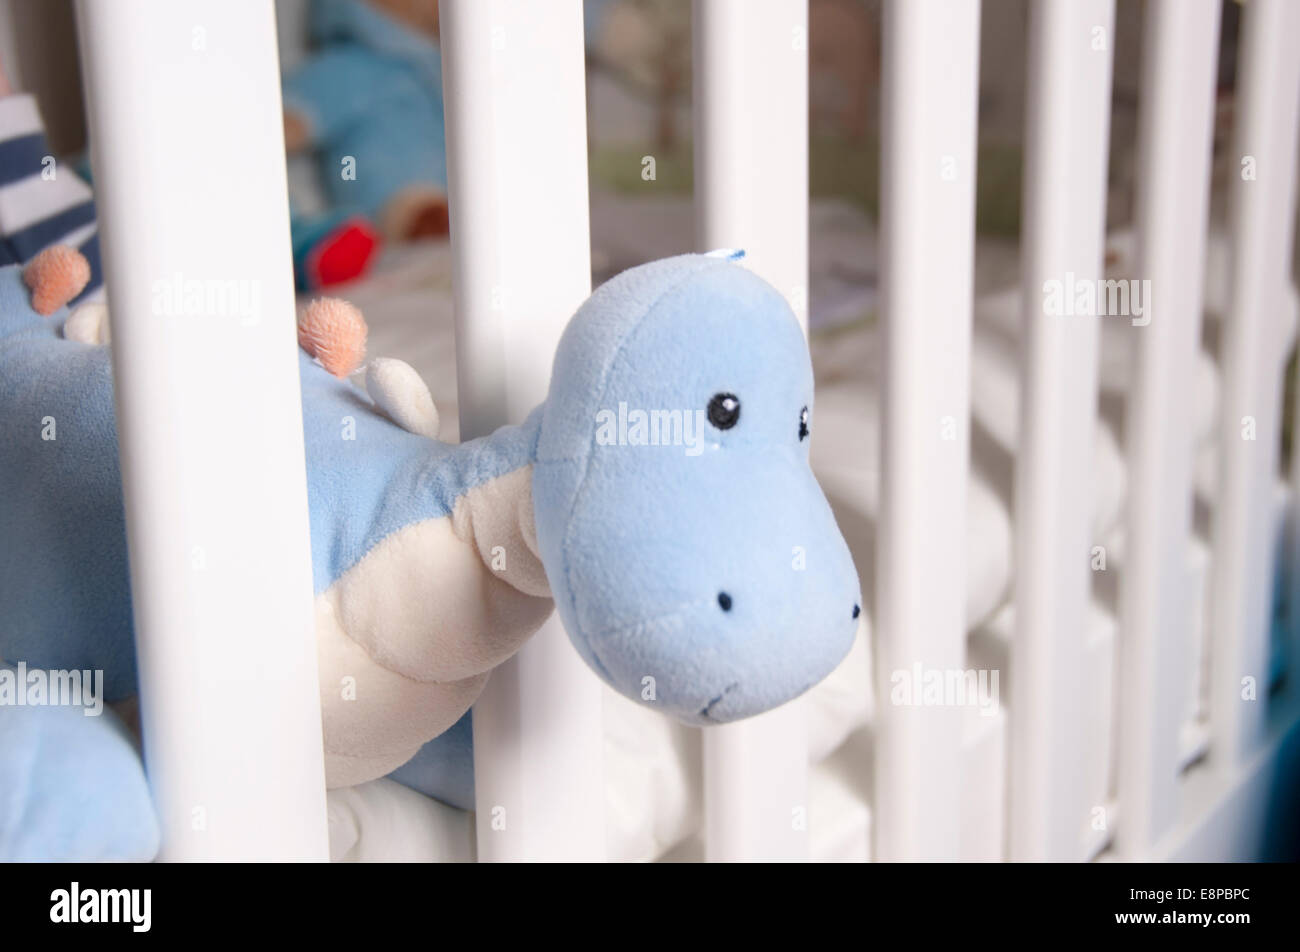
(639, 104)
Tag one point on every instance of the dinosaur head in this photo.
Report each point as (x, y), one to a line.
(693, 558)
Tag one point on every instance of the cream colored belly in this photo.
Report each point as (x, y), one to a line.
(407, 636)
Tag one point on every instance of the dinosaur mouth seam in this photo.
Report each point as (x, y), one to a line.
(705, 711)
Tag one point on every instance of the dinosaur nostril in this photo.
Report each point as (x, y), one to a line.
(857, 610)
(724, 601)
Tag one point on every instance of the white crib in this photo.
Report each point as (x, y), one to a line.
(185, 118)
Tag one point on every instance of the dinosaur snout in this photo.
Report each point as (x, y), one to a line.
(767, 643)
(724, 602)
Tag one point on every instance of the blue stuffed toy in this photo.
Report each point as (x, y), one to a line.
(661, 496)
(369, 102)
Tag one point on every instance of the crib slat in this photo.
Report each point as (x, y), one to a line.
(751, 136)
(517, 163)
(1262, 193)
(1067, 128)
(751, 77)
(209, 420)
(1174, 133)
(930, 61)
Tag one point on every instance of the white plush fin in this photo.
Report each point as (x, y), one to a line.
(88, 323)
(400, 393)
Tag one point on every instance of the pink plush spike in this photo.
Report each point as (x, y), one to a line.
(334, 332)
(56, 276)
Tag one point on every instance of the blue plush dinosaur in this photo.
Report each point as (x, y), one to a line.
(661, 496)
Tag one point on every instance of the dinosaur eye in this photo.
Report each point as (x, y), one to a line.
(724, 410)
(803, 424)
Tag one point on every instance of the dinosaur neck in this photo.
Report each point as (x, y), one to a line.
(494, 513)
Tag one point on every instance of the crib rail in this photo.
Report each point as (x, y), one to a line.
(1067, 126)
(751, 77)
(1174, 137)
(185, 121)
(930, 61)
(522, 260)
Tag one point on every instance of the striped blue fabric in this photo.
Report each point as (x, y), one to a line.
(20, 156)
(42, 203)
(48, 231)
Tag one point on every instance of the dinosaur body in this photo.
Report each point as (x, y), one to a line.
(410, 613)
(705, 577)
(409, 617)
